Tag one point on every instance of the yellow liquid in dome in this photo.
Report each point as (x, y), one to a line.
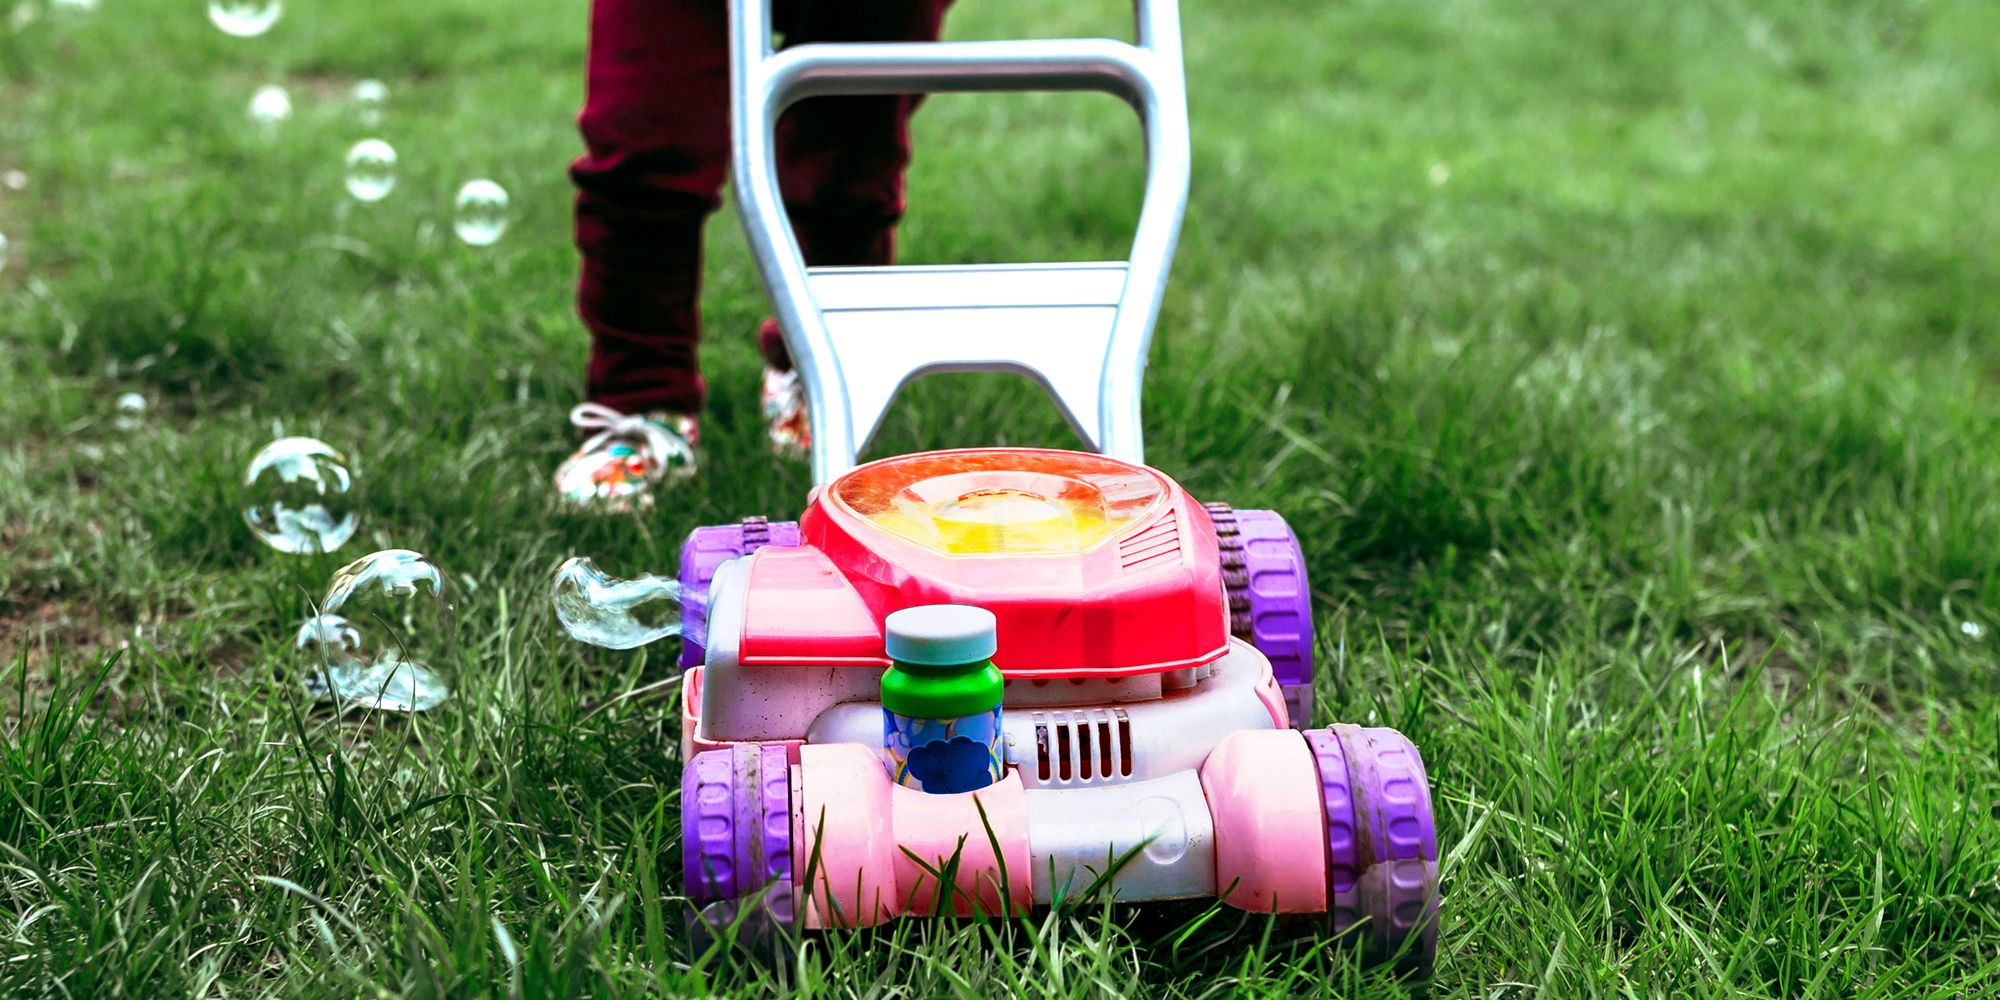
(1000, 521)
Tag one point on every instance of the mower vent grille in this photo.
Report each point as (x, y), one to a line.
(1161, 541)
(1082, 746)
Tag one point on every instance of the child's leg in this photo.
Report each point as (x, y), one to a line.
(656, 129)
(841, 159)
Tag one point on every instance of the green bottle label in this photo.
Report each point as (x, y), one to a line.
(923, 690)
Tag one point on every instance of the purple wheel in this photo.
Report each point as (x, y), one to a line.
(1382, 835)
(1270, 605)
(705, 550)
(736, 843)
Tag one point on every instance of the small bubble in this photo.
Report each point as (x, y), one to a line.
(603, 610)
(270, 105)
(481, 213)
(244, 18)
(386, 633)
(1439, 174)
(130, 412)
(371, 170)
(370, 97)
(296, 496)
(1972, 630)
(14, 179)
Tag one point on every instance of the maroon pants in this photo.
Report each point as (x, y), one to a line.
(655, 126)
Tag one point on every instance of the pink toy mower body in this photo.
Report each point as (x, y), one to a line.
(1151, 750)
(1147, 660)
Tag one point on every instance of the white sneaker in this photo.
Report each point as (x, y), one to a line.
(614, 470)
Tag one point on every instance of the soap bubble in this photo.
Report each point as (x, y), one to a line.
(270, 105)
(295, 496)
(386, 633)
(605, 611)
(129, 412)
(244, 18)
(322, 640)
(371, 170)
(1972, 630)
(370, 96)
(481, 214)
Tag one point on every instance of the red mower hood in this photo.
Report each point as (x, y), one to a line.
(1094, 567)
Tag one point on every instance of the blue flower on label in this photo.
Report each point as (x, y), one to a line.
(957, 765)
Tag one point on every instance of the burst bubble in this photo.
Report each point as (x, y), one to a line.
(386, 633)
(371, 170)
(296, 496)
(603, 610)
(270, 105)
(244, 18)
(480, 216)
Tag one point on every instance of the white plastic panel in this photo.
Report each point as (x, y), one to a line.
(1146, 740)
(1076, 836)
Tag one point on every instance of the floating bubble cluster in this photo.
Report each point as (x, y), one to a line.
(480, 215)
(270, 105)
(244, 18)
(371, 170)
(370, 96)
(296, 496)
(603, 610)
(385, 635)
(129, 412)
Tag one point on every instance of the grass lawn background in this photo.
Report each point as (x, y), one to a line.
(1628, 370)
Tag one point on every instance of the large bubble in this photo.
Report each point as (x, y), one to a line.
(371, 170)
(296, 496)
(480, 215)
(386, 633)
(244, 18)
(603, 610)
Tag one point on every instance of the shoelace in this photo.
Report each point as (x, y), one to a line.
(609, 423)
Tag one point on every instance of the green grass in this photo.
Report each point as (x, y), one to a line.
(1627, 368)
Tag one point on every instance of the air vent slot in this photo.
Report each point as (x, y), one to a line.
(1161, 541)
(1082, 747)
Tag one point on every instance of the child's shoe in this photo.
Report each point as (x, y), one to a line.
(785, 412)
(615, 468)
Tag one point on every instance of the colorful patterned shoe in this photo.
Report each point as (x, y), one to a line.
(615, 469)
(785, 412)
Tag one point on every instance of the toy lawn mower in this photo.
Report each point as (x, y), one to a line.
(1036, 675)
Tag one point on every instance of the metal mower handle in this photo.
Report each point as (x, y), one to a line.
(858, 334)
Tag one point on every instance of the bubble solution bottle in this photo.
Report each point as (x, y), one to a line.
(941, 699)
